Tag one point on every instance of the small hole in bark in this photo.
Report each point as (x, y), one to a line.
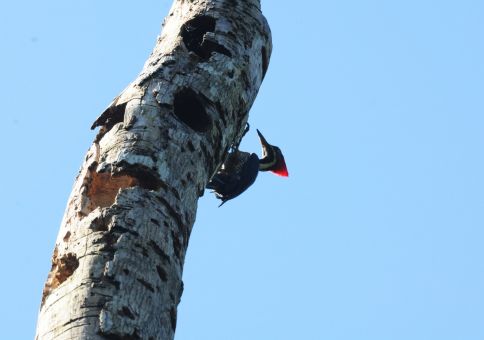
(67, 236)
(146, 285)
(116, 284)
(155, 222)
(125, 311)
(177, 247)
(190, 146)
(265, 62)
(162, 273)
(189, 109)
(159, 252)
(245, 79)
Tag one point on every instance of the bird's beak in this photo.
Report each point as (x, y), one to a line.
(263, 141)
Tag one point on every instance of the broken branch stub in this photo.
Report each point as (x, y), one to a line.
(117, 266)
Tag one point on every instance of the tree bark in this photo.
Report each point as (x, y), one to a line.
(118, 259)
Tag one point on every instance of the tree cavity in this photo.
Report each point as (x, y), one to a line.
(194, 34)
(190, 110)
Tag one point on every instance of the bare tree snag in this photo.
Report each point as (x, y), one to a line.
(118, 260)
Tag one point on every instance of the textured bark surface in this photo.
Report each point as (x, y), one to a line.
(118, 260)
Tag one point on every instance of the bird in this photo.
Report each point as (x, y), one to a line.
(240, 170)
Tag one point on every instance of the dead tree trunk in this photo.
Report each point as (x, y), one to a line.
(118, 259)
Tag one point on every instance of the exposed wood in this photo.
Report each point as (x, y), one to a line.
(118, 260)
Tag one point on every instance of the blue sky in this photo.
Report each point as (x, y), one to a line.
(378, 107)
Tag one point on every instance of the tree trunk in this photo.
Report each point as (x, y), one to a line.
(118, 259)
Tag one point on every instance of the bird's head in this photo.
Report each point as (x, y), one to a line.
(272, 158)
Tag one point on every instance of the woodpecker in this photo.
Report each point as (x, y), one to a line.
(240, 170)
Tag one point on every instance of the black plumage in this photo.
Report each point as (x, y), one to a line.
(240, 169)
(238, 173)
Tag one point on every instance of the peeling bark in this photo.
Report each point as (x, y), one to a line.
(118, 260)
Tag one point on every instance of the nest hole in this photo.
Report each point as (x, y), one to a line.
(189, 109)
(194, 30)
(193, 33)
